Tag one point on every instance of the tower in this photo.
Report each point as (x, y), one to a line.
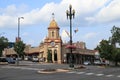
(53, 42)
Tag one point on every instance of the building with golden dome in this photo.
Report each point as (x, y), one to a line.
(52, 42)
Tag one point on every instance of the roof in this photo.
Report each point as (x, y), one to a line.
(53, 25)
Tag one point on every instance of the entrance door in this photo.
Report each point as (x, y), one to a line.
(55, 55)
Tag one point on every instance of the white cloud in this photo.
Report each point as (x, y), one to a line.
(35, 16)
(108, 13)
(85, 6)
(9, 10)
(90, 35)
(7, 21)
(25, 34)
(13, 10)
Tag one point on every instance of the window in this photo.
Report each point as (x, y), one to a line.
(52, 33)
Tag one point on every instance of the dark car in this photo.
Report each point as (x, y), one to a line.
(3, 60)
(10, 60)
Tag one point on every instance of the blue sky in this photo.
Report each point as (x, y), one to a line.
(93, 18)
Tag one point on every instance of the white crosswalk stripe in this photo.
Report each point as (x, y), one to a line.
(99, 74)
(93, 74)
(109, 75)
(89, 73)
(71, 72)
(118, 76)
(80, 72)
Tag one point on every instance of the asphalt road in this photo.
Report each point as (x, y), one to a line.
(29, 71)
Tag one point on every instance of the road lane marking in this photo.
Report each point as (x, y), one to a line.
(118, 76)
(109, 75)
(23, 68)
(99, 74)
(80, 72)
(36, 69)
(89, 73)
(71, 72)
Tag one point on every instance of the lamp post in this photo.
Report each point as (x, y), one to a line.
(70, 14)
(18, 38)
(19, 26)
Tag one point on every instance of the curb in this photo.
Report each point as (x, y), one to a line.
(54, 71)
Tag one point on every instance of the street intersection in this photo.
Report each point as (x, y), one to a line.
(29, 71)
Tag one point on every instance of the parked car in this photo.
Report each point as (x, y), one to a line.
(28, 58)
(10, 60)
(20, 59)
(97, 62)
(3, 60)
(87, 63)
(35, 59)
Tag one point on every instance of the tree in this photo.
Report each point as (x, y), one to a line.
(3, 44)
(114, 40)
(19, 48)
(116, 56)
(106, 50)
(49, 56)
(115, 36)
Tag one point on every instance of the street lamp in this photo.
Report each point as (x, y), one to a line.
(19, 26)
(70, 14)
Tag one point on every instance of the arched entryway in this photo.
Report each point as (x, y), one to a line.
(55, 55)
(49, 56)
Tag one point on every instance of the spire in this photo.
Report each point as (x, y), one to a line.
(53, 16)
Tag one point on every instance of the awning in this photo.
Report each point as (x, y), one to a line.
(70, 47)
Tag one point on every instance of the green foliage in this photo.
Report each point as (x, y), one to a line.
(19, 48)
(49, 56)
(108, 49)
(116, 56)
(3, 44)
(115, 35)
(115, 39)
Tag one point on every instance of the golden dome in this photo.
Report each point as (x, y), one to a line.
(53, 24)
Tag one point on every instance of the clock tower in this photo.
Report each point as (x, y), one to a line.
(53, 42)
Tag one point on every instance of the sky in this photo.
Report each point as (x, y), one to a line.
(93, 18)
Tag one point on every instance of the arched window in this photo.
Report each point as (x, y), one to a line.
(52, 33)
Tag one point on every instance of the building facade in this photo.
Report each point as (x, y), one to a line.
(53, 43)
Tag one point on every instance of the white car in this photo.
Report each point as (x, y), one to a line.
(35, 59)
(97, 62)
(87, 63)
